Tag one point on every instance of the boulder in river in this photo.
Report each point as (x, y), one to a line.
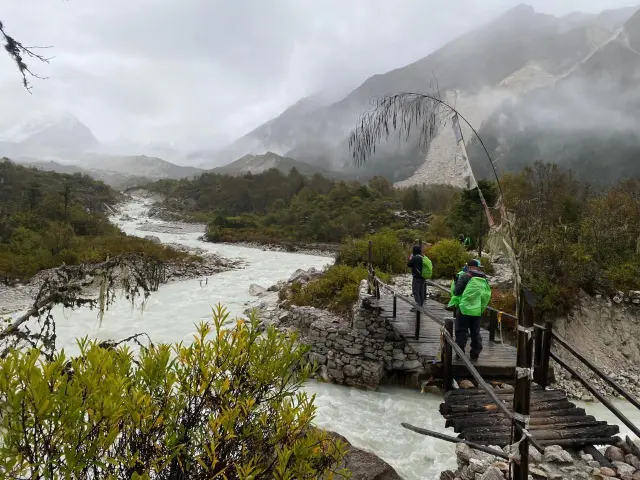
(300, 276)
(365, 465)
(152, 238)
(257, 290)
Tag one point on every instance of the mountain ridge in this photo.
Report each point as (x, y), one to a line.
(517, 47)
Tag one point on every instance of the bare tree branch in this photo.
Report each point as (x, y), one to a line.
(20, 53)
(75, 286)
(404, 113)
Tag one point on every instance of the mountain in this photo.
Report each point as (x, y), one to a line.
(519, 51)
(588, 120)
(57, 131)
(138, 166)
(117, 171)
(278, 133)
(116, 180)
(262, 163)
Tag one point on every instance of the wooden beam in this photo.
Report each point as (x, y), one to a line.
(612, 383)
(447, 438)
(597, 394)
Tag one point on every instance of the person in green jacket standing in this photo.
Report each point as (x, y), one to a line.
(474, 294)
(455, 300)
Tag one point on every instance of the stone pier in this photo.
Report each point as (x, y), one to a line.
(363, 351)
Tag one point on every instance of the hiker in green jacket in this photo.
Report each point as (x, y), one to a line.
(467, 243)
(455, 300)
(474, 294)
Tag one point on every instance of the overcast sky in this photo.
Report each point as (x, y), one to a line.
(200, 72)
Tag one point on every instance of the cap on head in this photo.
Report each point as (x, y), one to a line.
(474, 263)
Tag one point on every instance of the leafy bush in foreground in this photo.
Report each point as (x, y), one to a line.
(226, 406)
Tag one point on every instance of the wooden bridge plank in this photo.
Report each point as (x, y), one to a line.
(495, 360)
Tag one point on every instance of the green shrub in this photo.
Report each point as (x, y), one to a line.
(227, 406)
(336, 290)
(448, 257)
(625, 276)
(388, 253)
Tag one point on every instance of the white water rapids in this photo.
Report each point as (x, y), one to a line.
(369, 420)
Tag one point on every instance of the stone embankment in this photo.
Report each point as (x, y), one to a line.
(361, 351)
(621, 462)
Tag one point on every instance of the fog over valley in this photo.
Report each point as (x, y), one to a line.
(291, 78)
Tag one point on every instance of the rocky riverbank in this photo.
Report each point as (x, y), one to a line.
(18, 297)
(555, 464)
(319, 250)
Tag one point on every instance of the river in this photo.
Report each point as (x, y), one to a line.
(369, 420)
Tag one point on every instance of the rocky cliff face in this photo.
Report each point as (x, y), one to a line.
(519, 51)
(607, 332)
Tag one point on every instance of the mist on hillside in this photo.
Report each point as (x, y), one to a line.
(534, 79)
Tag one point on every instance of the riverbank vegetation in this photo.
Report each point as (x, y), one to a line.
(572, 236)
(568, 234)
(48, 219)
(273, 207)
(229, 404)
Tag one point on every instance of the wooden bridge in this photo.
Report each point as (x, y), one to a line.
(498, 360)
(527, 413)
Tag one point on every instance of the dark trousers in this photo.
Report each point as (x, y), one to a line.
(466, 324)
(419, 289)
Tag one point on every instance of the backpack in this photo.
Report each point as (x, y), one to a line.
(427, 267)
(476, 297)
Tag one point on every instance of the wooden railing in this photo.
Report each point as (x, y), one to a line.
(531, 338)
(544, 338)
(522, 390)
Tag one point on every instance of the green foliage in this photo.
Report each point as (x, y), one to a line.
(448, 257)
(47, 218)
(336, 290)
(438, 229)
(229, 405)
(387, 252)
(467, 215)
(624, 277)
(272, 207)
(571, 237)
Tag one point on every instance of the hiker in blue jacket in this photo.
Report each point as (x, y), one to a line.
(421, 269)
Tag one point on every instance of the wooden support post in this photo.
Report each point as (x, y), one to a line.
(522, 393)
(369, 290)
(547, 340)
(447, 357)
(377, 290)
(493, 325)
(537, 354)
(395, 306)
(417, 333)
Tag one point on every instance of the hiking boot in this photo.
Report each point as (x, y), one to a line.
(474, 358)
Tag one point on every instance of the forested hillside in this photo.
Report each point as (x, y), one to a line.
(569, 234)
(49, 218)
(276, 207)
